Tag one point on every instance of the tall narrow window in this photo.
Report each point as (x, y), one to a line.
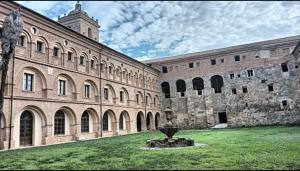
(85, 122)
(121, 125)
(146, 100)
(92, 64)
(81, 60)
(198, 85)
(109, 69)
(191, 65)
(106, 93)
(245, 90)
(164, 69)
(105, 122)
(70, 56)
(59, 123)
(233, 90)
(39, 46)
(237, 58)
(28, 82)
(181, 87)
(89, 32)
(87, 91)
(61, 87)
(101, 67)
(166, 89)
(121, 96)
(284, 67)
(231, 76)
(55, 51)
(137, 98)
(154, 101)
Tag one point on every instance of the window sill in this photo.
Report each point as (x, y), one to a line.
(40, 52)
(62, 95)
(28, 91)
(60, 135)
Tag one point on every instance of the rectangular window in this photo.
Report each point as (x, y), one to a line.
(234, 91)
(39, 46)
(270, 87)
(81, 60)
(245, 90)
(171, 68)
(21, 41)
(146, 100)
(92, 64)
(87, 91)
(222, 60)
(164, 69)
(284, 103)
(28, 82)
(55, 51)
(237, 58)
(198, 64)
(61, 87)
(191, 65)
(121, 96)
(109, 69)
(231, 76)
(137, 98)
(70, 55)
(250, 73)
(154, 101)
(106, 93)
(284, 67)
(213, 62)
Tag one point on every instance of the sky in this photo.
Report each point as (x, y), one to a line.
(153, 29)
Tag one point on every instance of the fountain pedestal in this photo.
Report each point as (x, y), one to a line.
(169, 130)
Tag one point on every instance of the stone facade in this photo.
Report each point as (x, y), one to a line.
(245, 85)
(53, 53)
(265, 70)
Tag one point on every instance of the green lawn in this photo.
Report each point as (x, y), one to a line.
(242, 148)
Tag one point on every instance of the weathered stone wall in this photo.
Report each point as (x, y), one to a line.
(258, 106)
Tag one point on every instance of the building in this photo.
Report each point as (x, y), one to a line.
(63, 85)
(245, 85)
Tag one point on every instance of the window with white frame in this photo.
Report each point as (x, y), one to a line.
(62, 87)
(87, 91)
(28, 82)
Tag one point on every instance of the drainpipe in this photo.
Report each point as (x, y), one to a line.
(100, 93)
(145, 97)
(11, 101)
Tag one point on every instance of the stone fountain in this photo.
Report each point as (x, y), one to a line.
(169, 130)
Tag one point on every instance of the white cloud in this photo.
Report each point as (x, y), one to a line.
(184, 27)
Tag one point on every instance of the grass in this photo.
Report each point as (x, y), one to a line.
(241, 148)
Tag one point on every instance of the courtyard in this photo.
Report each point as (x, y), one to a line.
(273, 147)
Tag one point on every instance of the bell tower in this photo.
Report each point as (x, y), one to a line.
(79, 21)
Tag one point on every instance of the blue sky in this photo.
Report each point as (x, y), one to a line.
(154, 29)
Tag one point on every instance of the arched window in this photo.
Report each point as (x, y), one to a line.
(198, 85)
(217, 83)
(166, 89)
(105, 122)
(59, 123)
(26, 128)
(180, 84)
(85, 122)
(89, 32)
(121, 126)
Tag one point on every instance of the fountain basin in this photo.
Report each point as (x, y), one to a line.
(166, 143)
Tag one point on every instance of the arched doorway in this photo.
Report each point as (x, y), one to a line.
(124, 121)
(217, 83)
(149, 121)
(85, 122)
(109, 121)
(139, 121)
(157, 120)
(26, 128)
